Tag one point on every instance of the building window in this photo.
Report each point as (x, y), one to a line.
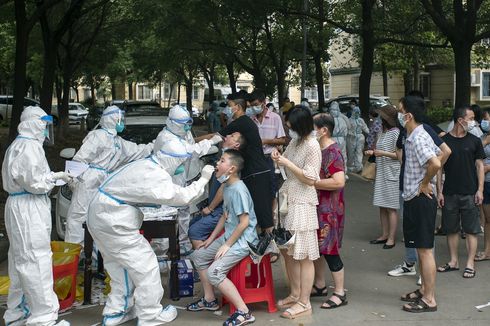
(144, 92)
(354, 84)
(311, 93)
(424, 84)
(195, 92)
(486, 84)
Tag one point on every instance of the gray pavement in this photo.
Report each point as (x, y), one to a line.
(373, 296)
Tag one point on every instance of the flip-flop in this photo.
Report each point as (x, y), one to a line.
(470, 272)
(447, 268)
(481, 257)
(319, 292)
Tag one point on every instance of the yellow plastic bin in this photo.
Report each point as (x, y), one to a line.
(65, 267)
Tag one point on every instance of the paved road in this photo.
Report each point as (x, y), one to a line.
(373, 296)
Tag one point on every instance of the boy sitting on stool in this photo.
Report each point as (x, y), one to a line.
(216, 257)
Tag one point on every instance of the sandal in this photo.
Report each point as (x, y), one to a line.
(419, 306)
(447, 268)
(319, 292)
(412, 296)
(293, 313)
(481, 256)
(239, 318)
(469, 272)
(202, 304)
(439, 231)
(287, 301)
(333, 304)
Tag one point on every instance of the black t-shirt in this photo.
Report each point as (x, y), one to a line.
(400, 144)
(255, 161)
(460, 169)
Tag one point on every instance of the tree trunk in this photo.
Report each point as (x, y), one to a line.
(92, 93)
(385, 78)
(407, 81)
(160, 92)
(231, 76)
(178, 92)
(319, 80)
(367, 60)
(170, 95)
(63, 110)
(462, 64)
(416, 75)
(20, 68)
(259, 80)
(113, 89)
(188, 94)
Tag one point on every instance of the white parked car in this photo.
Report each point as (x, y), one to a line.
(6, 102)
(76, 113)
(140, 129)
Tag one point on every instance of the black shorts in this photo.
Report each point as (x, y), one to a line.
(460, 211)
(486, 193)
(259, 186)
(419, 221)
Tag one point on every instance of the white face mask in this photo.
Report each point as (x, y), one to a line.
(293, 134)
(401, 119)
(469, 125)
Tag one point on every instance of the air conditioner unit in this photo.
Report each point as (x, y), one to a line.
(475, 78)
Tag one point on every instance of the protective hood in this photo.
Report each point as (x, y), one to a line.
(31, 124)
(179, 121)
(356, 112)
(334, 109)
(171, 154)
(110, 117)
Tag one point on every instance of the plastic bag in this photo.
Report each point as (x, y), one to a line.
(4, 285)
(64, 253)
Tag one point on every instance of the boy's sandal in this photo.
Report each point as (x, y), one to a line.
(469, 273)
(202, 304)
(447, 268)
(287, 301)
(419, 306)
(333, 304)
(293, 313)
(239, 318)
(319, 292)
(412, 296)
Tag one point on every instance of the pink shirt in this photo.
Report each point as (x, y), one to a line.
(270, 128)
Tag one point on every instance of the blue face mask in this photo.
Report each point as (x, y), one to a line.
(485, 125)
(229, 114)
(46, 133)
(223, 178)
(179, 170)
(120, 126)
(249, 112)
(187, 128)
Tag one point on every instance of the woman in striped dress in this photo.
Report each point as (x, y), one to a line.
(386, 193)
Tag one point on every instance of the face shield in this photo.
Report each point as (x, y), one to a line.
(186, 123)
(48, 131)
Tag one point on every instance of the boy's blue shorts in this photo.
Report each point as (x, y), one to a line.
(201, 227)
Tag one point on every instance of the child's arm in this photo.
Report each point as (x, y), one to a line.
(219, 227)
(244, 221)
(218, 198)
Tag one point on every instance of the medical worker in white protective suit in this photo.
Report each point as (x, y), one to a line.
(28, 179)
(114, 221)
(104, 151)
(355, 141)
(178, 127)
(340, 130)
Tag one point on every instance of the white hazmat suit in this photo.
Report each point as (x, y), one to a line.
(340, 129)
(178, 127)
(114, 221)
(355, 141)
(27, 178)
(104, 151)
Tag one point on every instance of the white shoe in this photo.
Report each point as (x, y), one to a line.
(168, 314)
(419, 281)
(402, 270)
(18, 322)
(60, 323)
(118, 319)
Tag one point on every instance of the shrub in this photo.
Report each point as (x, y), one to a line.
(440, 114)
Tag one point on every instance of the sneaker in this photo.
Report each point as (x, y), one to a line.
(402, 270)
(419, 281)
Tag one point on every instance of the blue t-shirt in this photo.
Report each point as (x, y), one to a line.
(400, 144)
(237, 201)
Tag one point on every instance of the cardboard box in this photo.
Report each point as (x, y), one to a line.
(185, 274)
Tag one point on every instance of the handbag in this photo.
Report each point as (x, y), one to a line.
(369, 171)
(282, 237)
(282, 202)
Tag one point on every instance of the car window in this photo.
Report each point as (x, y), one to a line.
(141, 134)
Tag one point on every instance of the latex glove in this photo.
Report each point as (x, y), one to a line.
(207, 172)
(62, 176)
(216, 139)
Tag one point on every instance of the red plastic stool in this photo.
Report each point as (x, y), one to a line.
(254, 284)
(67, 270)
